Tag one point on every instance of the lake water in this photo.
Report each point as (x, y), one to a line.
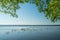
(29, 32)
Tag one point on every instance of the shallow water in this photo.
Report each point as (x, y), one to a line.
(29, 32)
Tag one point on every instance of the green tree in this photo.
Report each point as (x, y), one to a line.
(51, 8)
(10, 6)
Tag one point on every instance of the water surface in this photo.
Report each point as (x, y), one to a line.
(29, 32)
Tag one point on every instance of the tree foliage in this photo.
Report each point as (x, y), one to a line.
(10, 6)
(51, 8)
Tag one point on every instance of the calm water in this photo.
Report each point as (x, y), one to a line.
(29, 32)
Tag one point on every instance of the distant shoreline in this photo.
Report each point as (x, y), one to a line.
(29, 25)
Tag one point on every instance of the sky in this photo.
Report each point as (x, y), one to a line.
(28, 14)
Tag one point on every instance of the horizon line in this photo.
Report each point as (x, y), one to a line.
(29, 25)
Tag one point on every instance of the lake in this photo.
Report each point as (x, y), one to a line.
(29, 32)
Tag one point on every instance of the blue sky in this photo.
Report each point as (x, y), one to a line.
(28, 14)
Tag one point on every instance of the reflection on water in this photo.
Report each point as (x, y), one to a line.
(30, 33)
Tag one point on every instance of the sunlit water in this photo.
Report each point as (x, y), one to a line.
(29, 32)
